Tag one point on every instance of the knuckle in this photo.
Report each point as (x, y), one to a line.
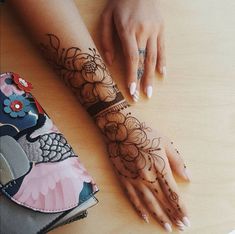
(122, 30)
(143, 26)
(121, 27)
(151, 59)
(133, 57)
(161, 48)
(129, 28)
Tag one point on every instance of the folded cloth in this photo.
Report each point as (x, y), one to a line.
(42, 182)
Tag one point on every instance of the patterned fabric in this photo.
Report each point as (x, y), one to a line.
(56, 180)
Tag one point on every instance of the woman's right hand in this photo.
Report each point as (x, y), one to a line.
(144, 160)
(140, 27)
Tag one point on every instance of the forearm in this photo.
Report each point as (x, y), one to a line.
(59, 31)
(139, 154)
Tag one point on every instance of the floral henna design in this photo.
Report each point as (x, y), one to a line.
(85, 73)
(129, 147)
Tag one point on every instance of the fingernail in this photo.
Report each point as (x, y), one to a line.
(180, 225)
(145, 218)
(132, 88)
(164, 71)
(187, 174)
(168, 228)
(186, 221)
(149, 91)
(109, 58)
(136, 96)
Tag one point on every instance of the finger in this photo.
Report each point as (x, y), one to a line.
(150, 65)
(162, 166)
(134, 198)
(176, 162)
(161, 54)
(154, 207)
(169, 210)
(170, 189)
(107, 36)
(130, 49)
(141, 42)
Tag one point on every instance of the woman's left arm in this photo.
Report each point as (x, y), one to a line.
(143, 158)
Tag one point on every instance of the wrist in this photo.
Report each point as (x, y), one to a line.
(114, 123)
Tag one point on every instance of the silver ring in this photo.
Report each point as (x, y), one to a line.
(140, 70)
(142, 52)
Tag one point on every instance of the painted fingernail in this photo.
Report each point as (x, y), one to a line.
(149, 91)
(180, 225)
(186, 221)
(135, 98)
(168, 228)
(132, 88)
(187, 174)
(109, 58)
(145, 218)
(164, 71)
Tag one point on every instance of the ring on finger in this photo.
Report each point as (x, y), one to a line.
(140, 70)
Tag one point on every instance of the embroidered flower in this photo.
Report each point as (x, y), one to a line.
(21, 83)
(7, 87)
(16, 106)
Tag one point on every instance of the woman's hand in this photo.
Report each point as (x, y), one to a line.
(143, 160)
(140, 27)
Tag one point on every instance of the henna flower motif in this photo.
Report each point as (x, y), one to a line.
(85, 73)
(125, 134)
(129, 147)
(21, 83)
(98, 83)
(16, 106)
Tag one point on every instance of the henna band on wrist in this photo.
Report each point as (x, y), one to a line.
(103, 106)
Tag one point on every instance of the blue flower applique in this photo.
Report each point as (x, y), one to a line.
(16, 106)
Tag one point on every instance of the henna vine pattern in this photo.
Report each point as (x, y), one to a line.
(85, 73)
(129, 147)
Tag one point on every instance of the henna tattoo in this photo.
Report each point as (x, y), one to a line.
(176, 150)
(172, 196)
(129, 147)
(85, 73)
(103, 107)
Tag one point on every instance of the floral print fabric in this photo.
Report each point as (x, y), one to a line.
(56, 180)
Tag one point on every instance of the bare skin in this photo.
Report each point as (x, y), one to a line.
(142, 157)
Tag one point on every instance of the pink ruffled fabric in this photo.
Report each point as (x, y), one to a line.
(51, 187)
